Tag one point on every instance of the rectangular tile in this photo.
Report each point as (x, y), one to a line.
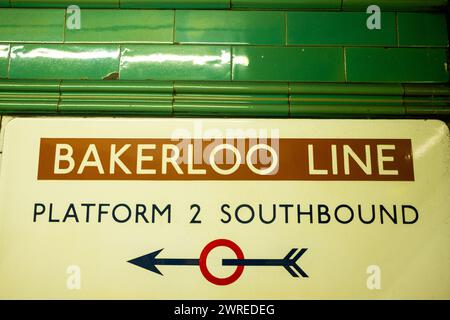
(66, 3)
(288, 64)
(4, 3)
(117, 26)
(177, 4)
(30, 25)
(281, 4)
(396, 65)
(175, 62)
(84, 62)
(232, 27)
(4, 60)
(339, 28)
(422, 29)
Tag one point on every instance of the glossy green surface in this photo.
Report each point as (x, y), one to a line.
(394, 4)
(159, 62)
(118, 26)
(301, 4)
(29, 25)
(4, 61)
(129, 87)
(178, 4)
(422, 29)
(346, 89)
(31, 61)
(288, 64)
(4, 3)
(339, 28)
(65, 3)
(229, 110)
(396, 65)
(109, 106)
(232, 27)
(201, 87)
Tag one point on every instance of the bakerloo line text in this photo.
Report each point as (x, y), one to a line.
(237, 214)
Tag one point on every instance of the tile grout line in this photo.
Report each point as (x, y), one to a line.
(345, 65)
(397, 30)
(64, 26)
(174, 26)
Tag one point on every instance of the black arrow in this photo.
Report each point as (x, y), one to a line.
(290, 264)
(149, 262)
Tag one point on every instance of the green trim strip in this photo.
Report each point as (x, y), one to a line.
(416, 5)
(224, 99)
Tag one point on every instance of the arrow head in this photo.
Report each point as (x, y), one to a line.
(290, 263)
(147, 262)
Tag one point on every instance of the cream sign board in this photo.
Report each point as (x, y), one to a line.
(103, 208)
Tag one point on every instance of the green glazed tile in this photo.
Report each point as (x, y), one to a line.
(233, 27)
(394, 4)
(65, 3)
(422, 29)
(4, 59)
(176, 4)
(31, 25)
(396, 65)
(4, 3)
(230, 110)
(129, 87)
(64, 61)
(117, 26)
(175, 62)
(288, 64)
(339, 28)
(359, 89)
(282, 4)
(230, 88)
(110, 107)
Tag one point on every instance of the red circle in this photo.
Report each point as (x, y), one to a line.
(204, 268)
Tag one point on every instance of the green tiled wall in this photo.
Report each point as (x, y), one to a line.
(160, 62)
(339, 28)
(230, 27)
(29, 25)
(422, 29)
(288, 64)
(223, 45)
(55, 61)
(396, 65)
(117, 26)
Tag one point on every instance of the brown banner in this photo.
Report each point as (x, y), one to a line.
(283, 159)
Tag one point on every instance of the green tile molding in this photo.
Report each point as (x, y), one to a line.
(30, 25)
(339, 28)
(396, 65)
(231, 99)
(422, 29)
(230, 27)
(288, 64)
(65, 3)
(160, 62)
(176, 4)
(120, 26)
(287, 4)
(407, 5)
(224, 99)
